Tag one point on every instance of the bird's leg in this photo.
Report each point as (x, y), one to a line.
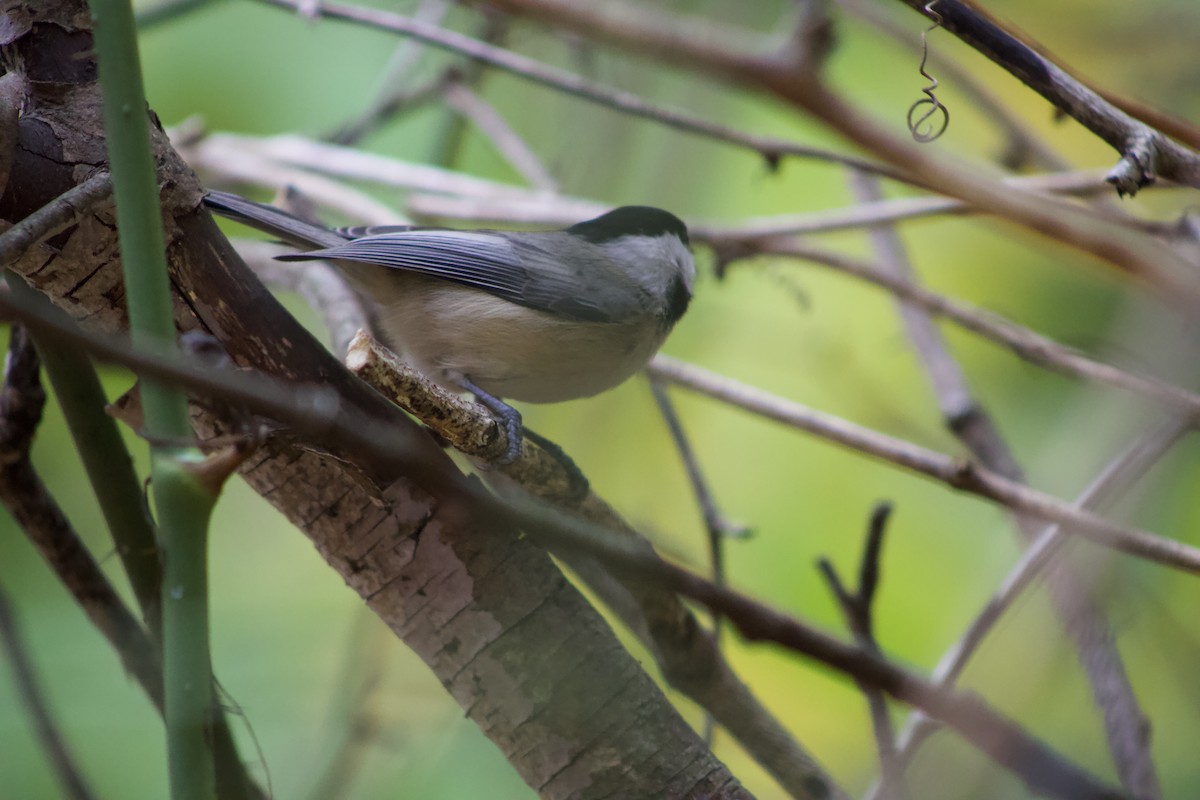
(515, 430)
(505, 414)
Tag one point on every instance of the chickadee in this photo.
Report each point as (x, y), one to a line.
(542, 317)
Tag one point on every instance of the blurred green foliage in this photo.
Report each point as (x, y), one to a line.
(310, 670)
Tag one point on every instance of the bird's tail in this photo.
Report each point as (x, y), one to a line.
(270, 219)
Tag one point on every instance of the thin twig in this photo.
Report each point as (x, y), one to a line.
(945, 375)
(470, 198)
(530, 208)
(53, 742)
(770, 148)
(316, 159)
(1026, 344)
(106, 459)
(970, 422)
(716, 525)
(26, 498)
(1043, 770)
(280, 160)
(862, 215)
(21, 402)
(1022, 144)
(1146, 154)
(1120, 473)
(856, 607)
(781, 73)
(238, 165)
(508, 143)
(960, 474)
(59, 214)
(395, 82)
(407, 97)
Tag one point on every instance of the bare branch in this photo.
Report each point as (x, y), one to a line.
(716, 525)
(65, 767)
(974, 427)
(484, 116)
(771, 149)
(530, 208)
(1022, 144)
(1146, 153)
(278, 161)
(396, 92)
(256, 159)
(782, 75)
(688, 656)
(26, 498)
(944, 373)
(57, 215)
(1122, 471)
(861, 215)
(230, 163)
(1026, 344)
(314, 413)
(406, 97)
(856, 608)
(998, 737)
(958, 474)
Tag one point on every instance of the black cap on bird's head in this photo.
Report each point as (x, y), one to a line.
(630, 221)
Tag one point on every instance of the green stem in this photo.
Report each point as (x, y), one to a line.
(184, 509)
(135, 188)
(183, 505)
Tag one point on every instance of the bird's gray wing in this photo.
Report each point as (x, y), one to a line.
(529, 276)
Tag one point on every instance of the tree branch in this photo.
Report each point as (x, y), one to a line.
(688, 656)
(25, 497)
(966, 476)
(1026, 344)
(65, 767)
(970, 422)
(1122, 471)
(379, 446)
(1146, 154)
(856, 608)
(771, 149)
(782, 75)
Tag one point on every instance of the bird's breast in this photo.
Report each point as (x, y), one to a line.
(513, 352)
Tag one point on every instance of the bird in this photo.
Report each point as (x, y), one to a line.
(531, 316)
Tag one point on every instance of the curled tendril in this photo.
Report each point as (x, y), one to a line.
(921, 123)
